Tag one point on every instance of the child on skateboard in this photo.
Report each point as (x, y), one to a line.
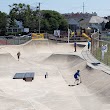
(77, 77)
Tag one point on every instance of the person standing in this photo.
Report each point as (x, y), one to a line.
(77, 77)
(88, 45)
(18, 55)
(75, 46)
(102, 50)
(46, 75)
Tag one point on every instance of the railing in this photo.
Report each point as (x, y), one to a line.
(65, 39)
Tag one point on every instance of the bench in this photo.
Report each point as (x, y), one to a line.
(19, 76)
(28, 76)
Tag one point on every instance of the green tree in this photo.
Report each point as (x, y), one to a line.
(21, 12)
(24, 13)
(107, 26)
(3, 21)
(53, 20)
(45, 25)
(50, 20)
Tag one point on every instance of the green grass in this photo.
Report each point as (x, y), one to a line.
(98, 54)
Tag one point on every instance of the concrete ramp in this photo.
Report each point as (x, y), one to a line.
(51, 93)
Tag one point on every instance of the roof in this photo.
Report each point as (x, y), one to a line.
(94, 19)
(97, 19)
(71, 21)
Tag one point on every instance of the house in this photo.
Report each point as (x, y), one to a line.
(19, 24)
(95, 22)
(73, 24)
(18, 28)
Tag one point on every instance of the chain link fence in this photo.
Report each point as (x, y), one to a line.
(100, 48)
(65, 39)
(13, 40)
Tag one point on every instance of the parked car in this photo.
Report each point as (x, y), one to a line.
(108, 34)
(25, 36)
(9, 37)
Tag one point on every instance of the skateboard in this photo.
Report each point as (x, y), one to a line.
(71, 85)
(75, 85)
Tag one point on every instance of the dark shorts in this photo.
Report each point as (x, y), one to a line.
(76, 78)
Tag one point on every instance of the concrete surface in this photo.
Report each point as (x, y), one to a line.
(52, 93)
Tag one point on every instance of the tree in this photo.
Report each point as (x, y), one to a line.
(3, 21)
(45, 25)
(49, 20)
(53, 20)
(107, 26)
(21, 12)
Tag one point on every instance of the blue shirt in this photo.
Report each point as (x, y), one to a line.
(76, 74)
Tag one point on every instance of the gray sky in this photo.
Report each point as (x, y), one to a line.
(64, 6)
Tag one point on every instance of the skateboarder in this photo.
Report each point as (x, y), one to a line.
(77, 77)
(18, 55)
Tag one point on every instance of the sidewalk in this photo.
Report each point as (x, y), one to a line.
(87, 55)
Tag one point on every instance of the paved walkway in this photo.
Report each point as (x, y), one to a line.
(87, 55)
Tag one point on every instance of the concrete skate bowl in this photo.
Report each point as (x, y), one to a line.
(98, 84)
(67, 65)
(35, 53)
(54, 93)
(39, 57)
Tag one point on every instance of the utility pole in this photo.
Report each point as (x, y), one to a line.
(68, 34)
(83, 7)
(39, 15)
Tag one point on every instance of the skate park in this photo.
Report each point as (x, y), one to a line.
(44, 44)
(52, 93)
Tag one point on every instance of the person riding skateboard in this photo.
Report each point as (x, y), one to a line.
(77, 77)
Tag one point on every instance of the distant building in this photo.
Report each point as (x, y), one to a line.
(18, 28)
(79, 16)
(108, 17)
(95, 22)
(14, 30)
(73, 24)
(19, 24)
